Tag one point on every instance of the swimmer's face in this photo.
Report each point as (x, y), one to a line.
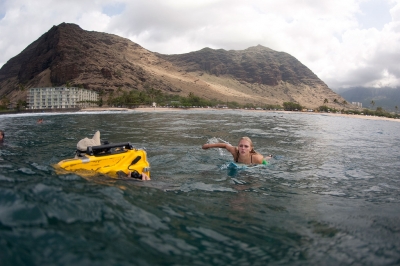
(244, 146)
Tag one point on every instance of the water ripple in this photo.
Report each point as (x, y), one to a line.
(330, 195)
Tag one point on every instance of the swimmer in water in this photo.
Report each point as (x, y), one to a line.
(243, 153)
(136, 175)
(133, 174)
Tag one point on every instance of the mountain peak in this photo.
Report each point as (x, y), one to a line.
(106, 62)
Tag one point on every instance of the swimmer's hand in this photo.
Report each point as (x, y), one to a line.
(145, 177)
(136, 175)
(269, 157)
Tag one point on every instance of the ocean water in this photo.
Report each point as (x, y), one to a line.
(330, 195)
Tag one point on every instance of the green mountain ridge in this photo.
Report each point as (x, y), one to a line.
(387, 98)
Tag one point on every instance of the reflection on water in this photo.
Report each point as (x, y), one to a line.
(330, 195)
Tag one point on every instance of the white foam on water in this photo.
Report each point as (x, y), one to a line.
(215, 140)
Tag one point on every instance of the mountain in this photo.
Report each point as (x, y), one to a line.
(68, 55)
(387, 98)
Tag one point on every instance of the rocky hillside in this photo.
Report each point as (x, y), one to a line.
(66, 54)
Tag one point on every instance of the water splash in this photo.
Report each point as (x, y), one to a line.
(215, 140)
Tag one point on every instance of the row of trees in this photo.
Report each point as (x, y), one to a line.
(290, 106)
(335, 101)
(378, 112)
(372, 103)
(147, 97)
(150, 95)
(5, 103)
(396, 108)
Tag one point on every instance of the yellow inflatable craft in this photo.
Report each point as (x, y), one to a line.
(109, 159)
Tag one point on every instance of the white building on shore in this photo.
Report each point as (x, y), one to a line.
(357, 104)
(61, 97)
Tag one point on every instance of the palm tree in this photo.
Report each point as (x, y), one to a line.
(396, 108)
(372, 103)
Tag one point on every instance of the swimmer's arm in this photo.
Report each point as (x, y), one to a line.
(226, 146)
(214, 145)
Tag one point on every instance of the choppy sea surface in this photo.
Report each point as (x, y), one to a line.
(330, 195)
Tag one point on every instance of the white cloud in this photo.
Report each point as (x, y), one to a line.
(332, 38)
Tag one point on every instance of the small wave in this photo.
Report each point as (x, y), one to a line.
(279, 129)
(373, 189)
(237, 181)
(388, 186)
(204, 187)
(4, 178)
(41, 167)
(252, 132)
(215, 140)
(332, 193)
(26, 171)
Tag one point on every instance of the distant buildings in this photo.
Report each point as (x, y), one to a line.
(60, 97)
(357, 104)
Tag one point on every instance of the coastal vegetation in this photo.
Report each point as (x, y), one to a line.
(386, 97)
(368, 112)
(135, 98)
(290, 106)
(4, 103)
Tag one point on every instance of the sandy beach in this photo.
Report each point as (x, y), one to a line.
(162, 109)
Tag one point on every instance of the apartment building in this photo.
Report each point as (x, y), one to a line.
(61, 97)
(358, 104)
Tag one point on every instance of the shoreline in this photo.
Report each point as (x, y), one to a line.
(166, 109)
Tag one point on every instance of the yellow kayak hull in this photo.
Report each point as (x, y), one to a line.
(126, 160)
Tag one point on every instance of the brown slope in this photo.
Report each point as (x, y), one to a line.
(94, 60)
(254, 65)
(106, 62)
(259, 72)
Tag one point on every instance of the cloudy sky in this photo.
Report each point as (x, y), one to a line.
(345, 42)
